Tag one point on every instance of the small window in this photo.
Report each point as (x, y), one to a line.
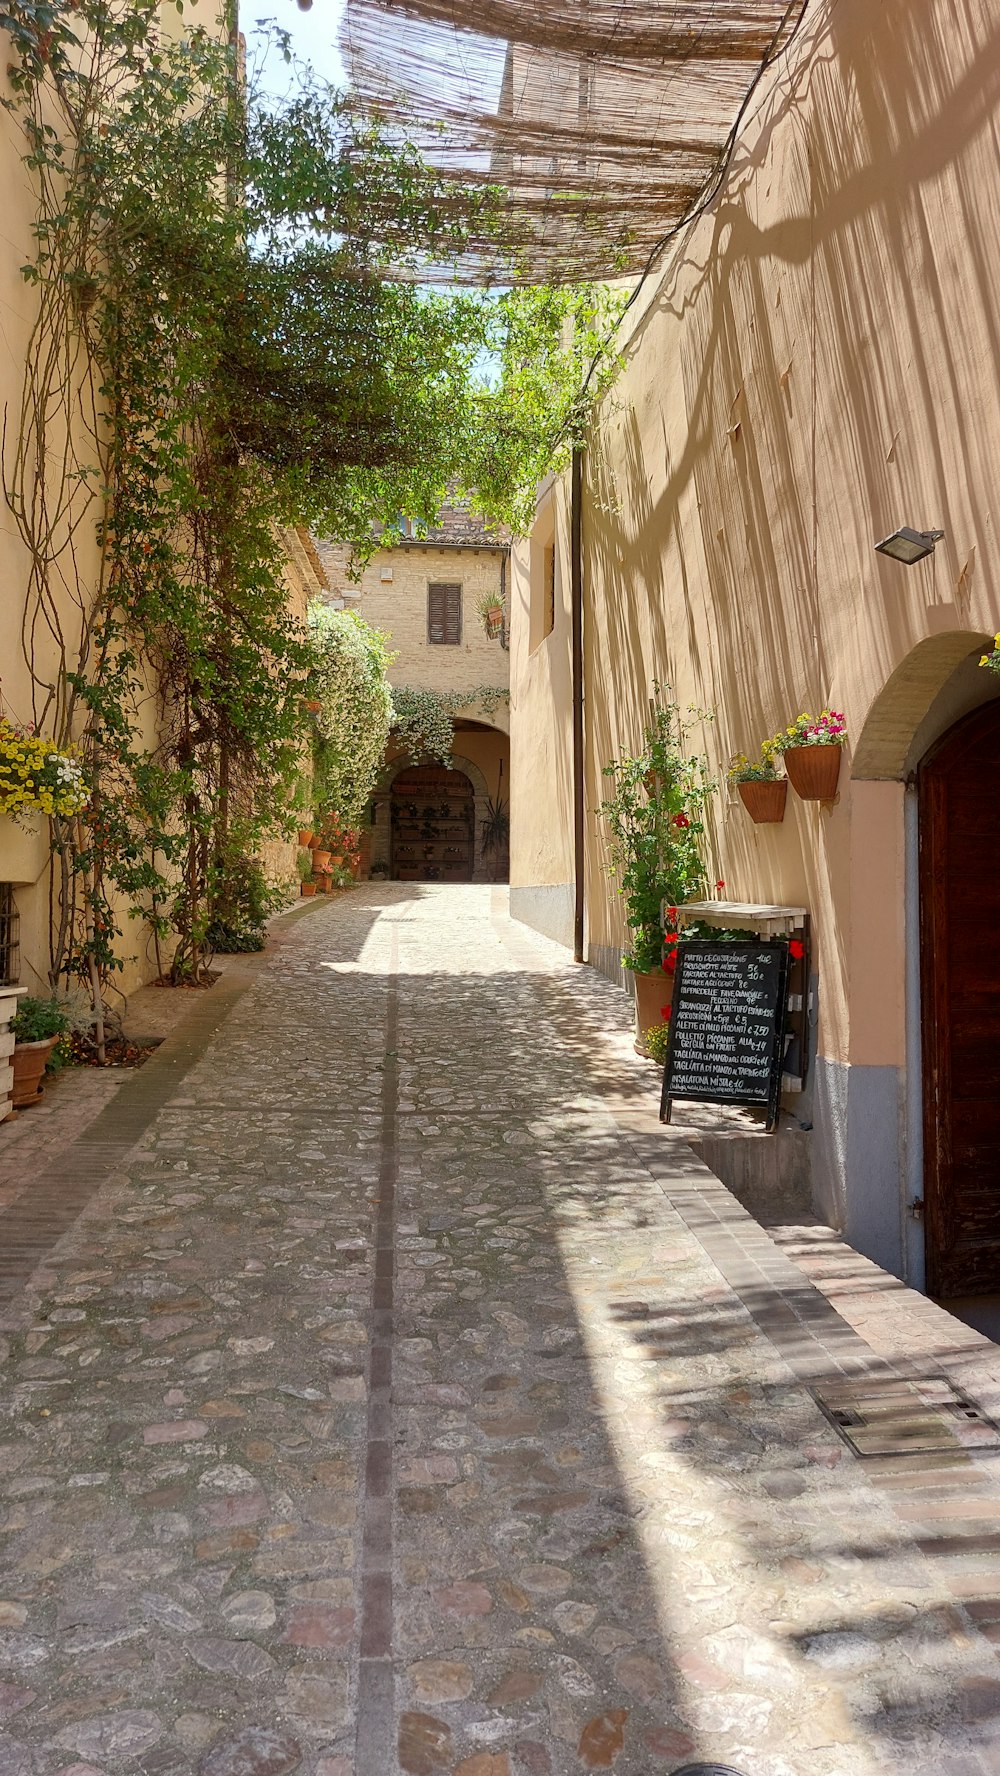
(549, 604)
(10, 955)
(444, 614)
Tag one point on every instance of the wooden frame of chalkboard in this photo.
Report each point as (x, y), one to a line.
(727, 1025)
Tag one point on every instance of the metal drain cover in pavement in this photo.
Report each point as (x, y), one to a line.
(885, 1415)
(708, 1770)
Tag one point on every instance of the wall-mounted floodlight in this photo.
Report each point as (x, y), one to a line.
(908, 545)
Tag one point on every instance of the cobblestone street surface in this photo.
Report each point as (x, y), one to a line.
(406, 1399)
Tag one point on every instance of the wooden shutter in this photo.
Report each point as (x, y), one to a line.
(444, 613)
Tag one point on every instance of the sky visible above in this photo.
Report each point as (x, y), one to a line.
(314, 37)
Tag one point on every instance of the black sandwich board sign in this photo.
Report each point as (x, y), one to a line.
(727, 1025)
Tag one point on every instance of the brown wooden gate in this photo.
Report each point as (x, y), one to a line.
(433, 825)
(960, 1005)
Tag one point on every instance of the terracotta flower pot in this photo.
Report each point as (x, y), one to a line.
(652, 992)
(321, 861)
(307, 890)
(493, 620)
(335, 859)
(764, 800)
(29, 1061)
(305, 835)
(813, 771)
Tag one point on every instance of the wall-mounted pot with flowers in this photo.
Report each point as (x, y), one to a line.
(760, 789)
(810, 748)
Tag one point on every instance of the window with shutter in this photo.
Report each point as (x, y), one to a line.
(444, 613)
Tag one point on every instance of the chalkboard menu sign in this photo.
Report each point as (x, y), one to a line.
(727, 1025)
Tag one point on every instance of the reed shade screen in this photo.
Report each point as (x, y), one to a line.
(603, 121)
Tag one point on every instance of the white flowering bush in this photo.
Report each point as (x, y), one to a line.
(424, 721)
(349, 681)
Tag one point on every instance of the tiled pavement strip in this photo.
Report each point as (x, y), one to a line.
(408, 1399)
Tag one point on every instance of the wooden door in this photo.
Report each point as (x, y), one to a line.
(960, 1005)
(433, 825)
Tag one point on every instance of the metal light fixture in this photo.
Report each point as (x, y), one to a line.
(908, 545)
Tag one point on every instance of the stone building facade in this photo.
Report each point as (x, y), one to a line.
(424, 592)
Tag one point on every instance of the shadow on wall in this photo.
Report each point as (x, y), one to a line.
(824, 364)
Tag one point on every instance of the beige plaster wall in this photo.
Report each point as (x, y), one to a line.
(541, 757)
(818, 363)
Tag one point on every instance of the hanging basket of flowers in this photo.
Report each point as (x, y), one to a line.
(760, 789)
(811, 748)
(35, 774)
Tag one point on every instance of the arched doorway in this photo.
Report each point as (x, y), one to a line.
(959, 871)
(433, 825)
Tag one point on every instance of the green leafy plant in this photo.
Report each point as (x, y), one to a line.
(349, 678)
(36, 1020)
(243, 901)
(490, 609)
(222, 348)
(653, 820)
(992, 660)
(424, 721)
(742, 769)
(656, 1041)
(495, 825)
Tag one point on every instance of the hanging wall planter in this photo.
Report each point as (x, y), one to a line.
(813, 771)
(764, 799)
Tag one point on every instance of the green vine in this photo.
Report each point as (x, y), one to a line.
(349, 681)
(424, 721)
(217, 353)
(653, 817)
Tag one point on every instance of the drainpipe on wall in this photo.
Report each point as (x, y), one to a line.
(576, 609)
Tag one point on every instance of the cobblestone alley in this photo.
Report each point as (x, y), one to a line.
(403, 1397)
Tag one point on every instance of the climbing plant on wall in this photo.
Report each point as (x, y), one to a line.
(349, 681)
(423, 721)
(218, 351)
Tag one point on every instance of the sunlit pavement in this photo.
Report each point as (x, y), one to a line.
(408, 1399)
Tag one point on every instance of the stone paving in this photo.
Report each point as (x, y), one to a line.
(407, 1400)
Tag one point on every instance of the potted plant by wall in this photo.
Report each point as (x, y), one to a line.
(305, 835)
(491, 614)
(760, 789)
(653, 819)
(494, 834)
(379, 870)
(303, 866)
(37, 1026)
(810, 748)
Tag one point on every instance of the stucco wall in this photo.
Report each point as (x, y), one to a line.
(817, 364)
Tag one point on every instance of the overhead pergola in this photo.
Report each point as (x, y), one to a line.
(605, 122)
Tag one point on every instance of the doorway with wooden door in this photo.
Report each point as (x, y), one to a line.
(960, 1005)
(433, 815)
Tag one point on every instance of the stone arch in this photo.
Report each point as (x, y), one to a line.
(899, 723)
(381, 798)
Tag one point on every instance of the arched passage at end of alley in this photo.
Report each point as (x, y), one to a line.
(406, 1399)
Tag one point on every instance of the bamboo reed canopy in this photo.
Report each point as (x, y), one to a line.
(601, 124)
